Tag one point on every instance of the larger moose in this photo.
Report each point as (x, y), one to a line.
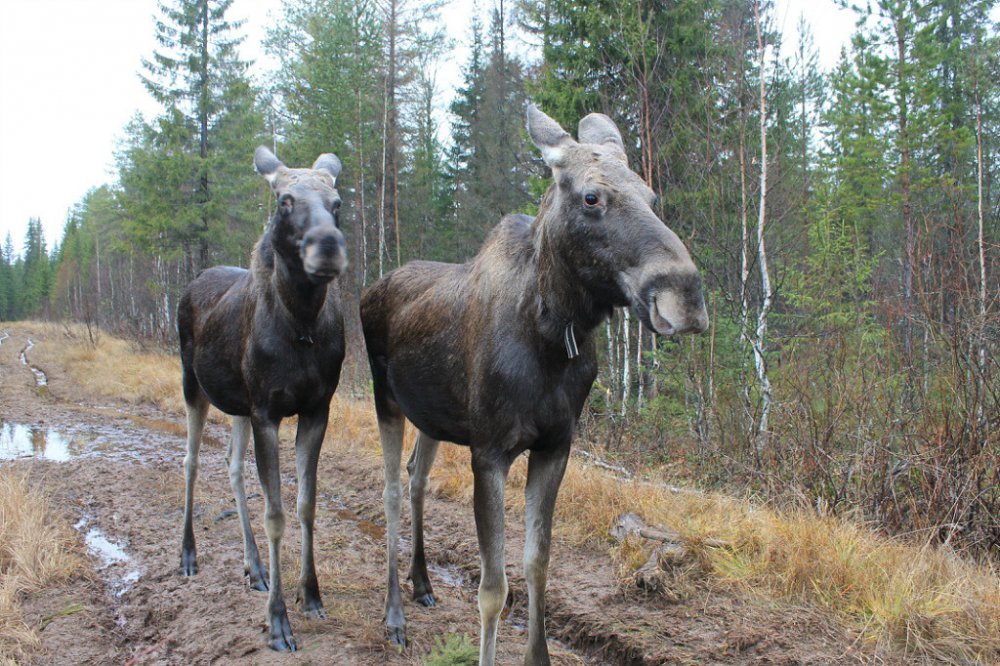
(263, 344)
(498, 354)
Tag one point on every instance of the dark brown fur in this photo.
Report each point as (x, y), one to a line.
(480, 354)
(262, 345)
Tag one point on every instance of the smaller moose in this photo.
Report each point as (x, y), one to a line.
(498, 354)
(263, 344)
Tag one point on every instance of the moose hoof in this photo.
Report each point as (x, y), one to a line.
(257, 580)
(281, 638)
(314, 610)
(396, 636)
(189, 563)
(427, 600)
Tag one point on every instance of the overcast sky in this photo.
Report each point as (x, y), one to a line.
(69, 81)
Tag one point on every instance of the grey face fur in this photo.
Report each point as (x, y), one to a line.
(609, 232)
(309, 206)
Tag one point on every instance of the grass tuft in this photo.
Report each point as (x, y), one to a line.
(453, 650)
(37, 550)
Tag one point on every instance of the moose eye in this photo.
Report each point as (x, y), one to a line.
(591, 199)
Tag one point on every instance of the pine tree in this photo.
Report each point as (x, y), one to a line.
(330, 55)
(8, 281)
(490, 163)
(184, 179)
(427, 207)
(36, 279)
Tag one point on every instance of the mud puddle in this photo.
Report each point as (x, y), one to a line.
(41, 379)
(20, 440)
(117, 567)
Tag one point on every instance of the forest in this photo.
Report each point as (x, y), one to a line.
(846, 223)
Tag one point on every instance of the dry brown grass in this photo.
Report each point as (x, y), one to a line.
(37, 549)
(109, 367)
(898, 597)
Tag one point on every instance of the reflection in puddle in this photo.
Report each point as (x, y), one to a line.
(21, 441)
(109, 441)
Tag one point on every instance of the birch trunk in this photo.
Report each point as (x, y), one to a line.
(760, 362)
(626, 378)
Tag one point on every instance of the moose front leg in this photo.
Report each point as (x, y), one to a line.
(265, 440)
(308, 441)
(489, 471)
(252, 567)
(545, 473)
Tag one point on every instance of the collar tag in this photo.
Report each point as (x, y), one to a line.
(570, 340)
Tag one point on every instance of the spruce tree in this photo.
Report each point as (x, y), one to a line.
(491, 164)
(8, 283)
(185, 185)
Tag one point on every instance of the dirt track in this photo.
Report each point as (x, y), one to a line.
(120, 479)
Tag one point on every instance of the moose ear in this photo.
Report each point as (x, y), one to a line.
(548, 136)
(330, 163)
(267, 164)
(598, 128)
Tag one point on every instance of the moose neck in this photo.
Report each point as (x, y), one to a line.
(564, 301)
(284, 282)
(302, 298)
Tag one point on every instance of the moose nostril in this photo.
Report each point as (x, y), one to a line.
(328, 244)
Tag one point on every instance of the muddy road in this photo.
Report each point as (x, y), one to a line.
(114, 471)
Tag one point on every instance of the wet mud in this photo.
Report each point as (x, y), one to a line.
(116, 476)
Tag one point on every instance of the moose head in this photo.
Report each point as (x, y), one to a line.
(305, 228)
(599, 224)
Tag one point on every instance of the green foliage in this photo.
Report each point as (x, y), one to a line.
(490, 162)
(453, 650)
(9, 281)
(186, 192)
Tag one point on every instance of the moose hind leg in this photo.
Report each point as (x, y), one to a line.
(488, 502)
(390, 427)
(309, 440)
(419, 468)
(252, 567)
(197, 408)
(265, 440)
(545, 473)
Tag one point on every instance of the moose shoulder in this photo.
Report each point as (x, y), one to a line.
(498, 354)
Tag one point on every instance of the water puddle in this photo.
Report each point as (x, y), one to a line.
(447, 574)
(116, 565)
(21, 441)
(41, 379)
(110, 441)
